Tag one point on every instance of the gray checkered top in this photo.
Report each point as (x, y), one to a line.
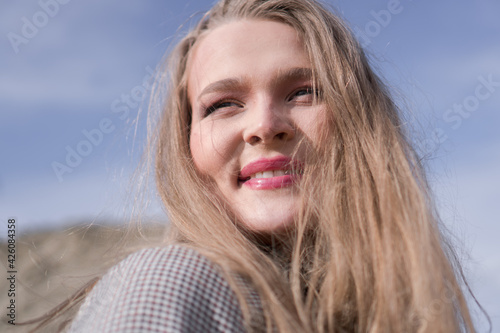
(171, 289)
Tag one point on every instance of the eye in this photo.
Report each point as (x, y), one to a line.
(304, 95)
(224, 104)
(303, 92)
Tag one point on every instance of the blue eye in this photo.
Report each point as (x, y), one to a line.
(219, 105)
(304, 95)
(303, 92)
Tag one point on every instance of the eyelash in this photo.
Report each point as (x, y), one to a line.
(218, 105)
(227, 103)
(308, 90)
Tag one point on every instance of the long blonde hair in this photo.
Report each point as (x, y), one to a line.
(367, 254)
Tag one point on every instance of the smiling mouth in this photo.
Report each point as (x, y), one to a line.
(271, 174)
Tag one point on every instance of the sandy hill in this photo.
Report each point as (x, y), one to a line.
(52, 266)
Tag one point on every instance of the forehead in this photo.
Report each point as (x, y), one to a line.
(244, 48)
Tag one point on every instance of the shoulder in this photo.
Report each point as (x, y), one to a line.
(168, 289)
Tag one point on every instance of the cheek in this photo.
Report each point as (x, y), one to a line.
(201, 157)
(313, 126)
(210, 150)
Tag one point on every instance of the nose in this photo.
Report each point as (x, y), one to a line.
(268, 124)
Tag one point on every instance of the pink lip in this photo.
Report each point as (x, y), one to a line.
(270, 164)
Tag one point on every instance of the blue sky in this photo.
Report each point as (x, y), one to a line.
(441, 58)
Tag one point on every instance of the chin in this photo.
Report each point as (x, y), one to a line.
(269, 224)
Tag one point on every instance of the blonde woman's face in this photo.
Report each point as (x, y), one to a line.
(250, 89)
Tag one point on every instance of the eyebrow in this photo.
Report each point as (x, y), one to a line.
(222, 85)
(291, 74)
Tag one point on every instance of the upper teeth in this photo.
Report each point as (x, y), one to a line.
(270, 174)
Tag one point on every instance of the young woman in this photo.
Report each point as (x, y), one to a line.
(296, 201)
